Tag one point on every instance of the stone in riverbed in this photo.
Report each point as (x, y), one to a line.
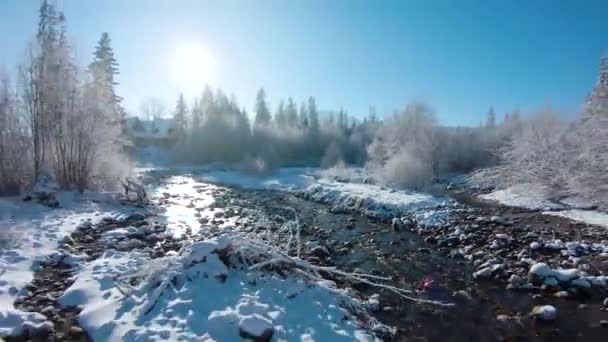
(515, 281)
(256, 328)
(544, 312)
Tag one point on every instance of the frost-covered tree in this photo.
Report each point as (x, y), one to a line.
(180, 116)
(291, 113)
(402, 153)
(491, 119)
(280, 117)
(104, 69)
(262, 113)
(313, 115)
(304, 119)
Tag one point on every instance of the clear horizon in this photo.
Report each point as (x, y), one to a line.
(460, 58)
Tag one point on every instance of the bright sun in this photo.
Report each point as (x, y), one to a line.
(193, 67)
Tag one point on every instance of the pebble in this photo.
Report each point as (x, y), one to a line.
(544, 312)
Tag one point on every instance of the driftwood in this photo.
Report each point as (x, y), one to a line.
(139, 190)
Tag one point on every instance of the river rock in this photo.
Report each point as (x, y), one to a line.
(256, 328)
(544, 312)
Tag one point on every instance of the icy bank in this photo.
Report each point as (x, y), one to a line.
(537, 198)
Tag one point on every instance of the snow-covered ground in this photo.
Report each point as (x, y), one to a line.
(29, 232)
(537, 198)
(194, 296)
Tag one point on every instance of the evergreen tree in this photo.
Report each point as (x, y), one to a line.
(181, 117)
(103, 69)
(491, 120)
(197, 116)
(291, 113)
(313, 115)
(280, 116)
(303, 116)
(262, 114)
(207, 103)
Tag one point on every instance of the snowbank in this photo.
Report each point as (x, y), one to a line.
(29, 232)
(586, 216)
(374, 200)
(194, 296)
(537, 198)
(526, 196)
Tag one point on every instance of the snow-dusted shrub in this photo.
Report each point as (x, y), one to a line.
(401, 155)
(538, 154)
(406, 169)
(588, 178)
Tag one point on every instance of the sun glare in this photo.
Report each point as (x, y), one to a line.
(192, 66)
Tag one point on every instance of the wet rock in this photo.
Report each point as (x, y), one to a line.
(604, 323)
(544, 312)
(581, 283)
(562, 294)
(76, 332)
(504, 318)
(256, 328)
(605, 302)
(487, 272)
(319, 251)
(550, 282)
(515, 281)
(134, 217)
(373, 302)
(430, 239)
(396, 224)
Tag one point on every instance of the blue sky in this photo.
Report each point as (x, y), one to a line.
(459, 56)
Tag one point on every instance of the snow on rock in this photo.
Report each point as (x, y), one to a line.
(554, 277)
(30, 232)
(544, 312)
(256, 327)
(127, 296)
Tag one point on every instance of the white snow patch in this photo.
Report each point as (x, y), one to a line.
(30, 232)
(536, 197)
(586, 216)
(529, 196)
(374, 200)
(207, 300)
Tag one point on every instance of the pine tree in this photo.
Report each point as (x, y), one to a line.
(280, 117)
(313, 115)
(181, 117)
(103, 69)
(262, 114)
(196, 117)
(291, 113)
(491, 120)
(303, 116)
